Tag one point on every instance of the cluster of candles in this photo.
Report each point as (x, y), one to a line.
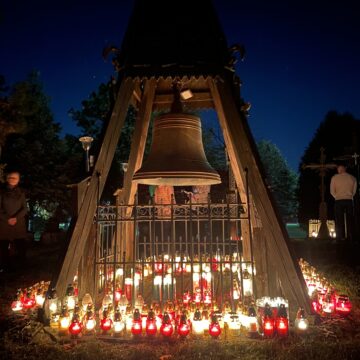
(325, 299)
(30, 297)
(195, 312)
(118, 318)
(164, 272)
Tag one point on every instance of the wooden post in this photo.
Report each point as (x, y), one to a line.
(135, 160)
(242, 152)
(138, 141)
(95, 188)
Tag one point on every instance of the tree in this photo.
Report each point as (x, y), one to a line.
(282, 181)
(92, 119)
(37, 152)
(10, 121)
(214, 147)
(339, 134)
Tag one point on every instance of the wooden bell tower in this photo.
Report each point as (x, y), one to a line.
(183, 41)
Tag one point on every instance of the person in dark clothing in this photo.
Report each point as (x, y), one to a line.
(13, 210)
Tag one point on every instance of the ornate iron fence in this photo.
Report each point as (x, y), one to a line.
(168, 252)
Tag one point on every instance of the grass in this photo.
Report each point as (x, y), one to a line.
(290, 348)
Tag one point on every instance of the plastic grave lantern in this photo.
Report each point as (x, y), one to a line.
(166, 328)
(301, 323)
(282, 322)
(268, 322)
(136, 327)
(214, 327)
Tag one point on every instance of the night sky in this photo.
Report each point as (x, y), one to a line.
(302, 58)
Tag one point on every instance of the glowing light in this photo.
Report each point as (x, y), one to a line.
(343, 305)
(136, 327)
(106, 324)
(75, 328)
(184, 329)
(40, 298)
(302, 324)
(86, 301)
(64, 322)
(214, 327)
(119, 272)
(268, 327)
(53, 306)
(119, 326)
(184, 326)
(28, 303)
(16, 305)
(166, 330)
(90, 324)
(71, 302)
(117, 296)
(151, 327)
(282, 326)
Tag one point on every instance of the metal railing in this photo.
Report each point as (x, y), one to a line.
(173, 251)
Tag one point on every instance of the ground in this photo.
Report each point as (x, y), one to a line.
(335, 338)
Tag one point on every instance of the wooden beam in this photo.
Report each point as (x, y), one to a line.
(137, 150)
(87, 211)
(201, 99)
(138, 141)
(241, 146)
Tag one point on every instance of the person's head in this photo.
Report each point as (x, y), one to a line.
(341, 168)
(13, 178)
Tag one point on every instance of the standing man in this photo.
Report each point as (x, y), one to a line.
(13, 209)
(343, 189)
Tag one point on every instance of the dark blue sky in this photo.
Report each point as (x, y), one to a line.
(302, 57)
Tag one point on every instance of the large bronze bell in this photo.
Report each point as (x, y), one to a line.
(177, 155)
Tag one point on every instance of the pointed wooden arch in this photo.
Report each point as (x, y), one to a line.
(277, 267)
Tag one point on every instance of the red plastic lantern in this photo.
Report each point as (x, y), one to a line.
(184, 326)
(328, 305)
(207, 297)
(117, 295)
(282, 322)
(106, 324)
(151, 327)
(28, 303)
(282, 326)
(158, 267)
(197, 298)
(166, 328)
(214, 264)
(268, 326)
(343, 305)
(268, 322)
(128, 288)
(186, 298)
(136, 327)
(151, 324)
(75, 327)
(214, 327)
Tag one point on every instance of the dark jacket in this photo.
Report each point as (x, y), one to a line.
(12, 204)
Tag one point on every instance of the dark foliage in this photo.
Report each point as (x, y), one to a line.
(92, 120)
(37, 151)
(281, 180)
